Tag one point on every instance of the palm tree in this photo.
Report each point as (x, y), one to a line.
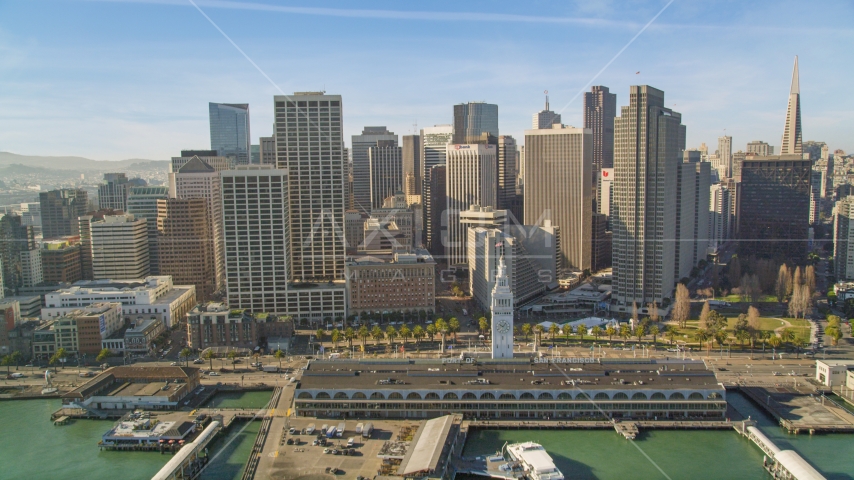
(775, 342)
(482, 325)
(390, 334)
(442, 329)
(765, 336)
(581, 330)
(61, 355)
(377, 334)
(6, 361)
(430, 331)
(232, 355)
(655, 332)
(798, 342)
(349, 335)
(319, 334)
(335, 337)
(671, 331)
(702, 336)
(364, 334)
(787, 335)
(538, 334)
(610, 331)
(185, 352)
(640, 332)
(597, 332)
(209, 355)
(454, 327)
(553, 331)
(418, 334)
(743, 336)
(16, 357)
(526, 330)
(567, 332)
(279, 354)
(405, 333)
(625, 332)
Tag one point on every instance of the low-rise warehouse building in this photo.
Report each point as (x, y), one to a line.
(510, 388)
(130, 387)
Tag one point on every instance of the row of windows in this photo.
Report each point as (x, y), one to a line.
(511, 406)
(511, 396)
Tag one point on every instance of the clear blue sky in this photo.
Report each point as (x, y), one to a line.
(114, 79)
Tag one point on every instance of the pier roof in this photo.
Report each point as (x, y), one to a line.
(427, 445)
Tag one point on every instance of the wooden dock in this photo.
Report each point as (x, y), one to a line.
(629, 430)
(63, 420)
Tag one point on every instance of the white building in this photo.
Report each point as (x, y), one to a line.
(606, 194)
(471, 181)
(502, 315)
(31, 267)
(725, 154)
(720, 220)
(833, 373)
(120, 247)
(149, 297)
(843, 239)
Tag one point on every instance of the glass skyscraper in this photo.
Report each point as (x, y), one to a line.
(230, 131)
(474, 119)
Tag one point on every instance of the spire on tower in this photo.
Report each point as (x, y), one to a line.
(796, 88)
(547, 96)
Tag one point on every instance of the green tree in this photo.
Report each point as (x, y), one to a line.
(232, 355)
(377, 334)
(430, 331)
(482, 325)
(834, 333)
(640, 332)
(671, 331)
(418, 334)
(335, 336)
(787, 335)
(775, 342)
(185, 354)
(799, 342)
(442, 330)
(279, 354)
(625, 332)
(702, 337)
(553, 331)
(610, 331)
(390, 334)
(654, 331)
(526, 330)
(318, 335)
(6, 361)
(538, 334)
(581, 330)
(349, 335)
(567, 332)
(453, 327)
(61, 354)
(405, 333)
(16, 357)
(364, 334)
(209, 355)
(103, 354)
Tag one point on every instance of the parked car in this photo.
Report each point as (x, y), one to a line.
(213, 374)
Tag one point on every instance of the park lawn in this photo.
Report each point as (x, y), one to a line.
(738, 299)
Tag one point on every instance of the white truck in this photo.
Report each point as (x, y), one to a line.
(310, 429)
(339, 432)
(359, 427)
(366, 431)
(270, 368)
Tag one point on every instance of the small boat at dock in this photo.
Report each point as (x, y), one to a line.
(534, 460)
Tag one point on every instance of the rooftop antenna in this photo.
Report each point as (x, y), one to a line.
(415, 127)
(547, 98)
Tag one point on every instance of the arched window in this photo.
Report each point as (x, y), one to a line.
(413, 396)
(564, 396)
(431, 396)
(526, 396)
(469, 396)
(601, 396)
(341, 396)
(450, 396)
(545, 396)
(377, 396)
(715, 396)
(395, 396)
(507, 396)
(639, 396)
(322, 396)
(487, 396)
(695, 396)
(677, 396)
(658, 396)
(582, 396)
(620, 396)
(304, 395)
(359, 396)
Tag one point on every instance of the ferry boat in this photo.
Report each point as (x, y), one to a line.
(534, 460)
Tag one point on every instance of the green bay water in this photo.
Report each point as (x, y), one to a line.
(240, 400)
(231, 452)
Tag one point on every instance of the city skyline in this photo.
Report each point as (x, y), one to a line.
(751, 78)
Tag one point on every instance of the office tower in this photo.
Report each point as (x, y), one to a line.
(600, 109)
(60, 209)
(257, 239)
(185, 245)
(502, 315)
(61, 261)
(267, 149)
(84, 226)
(354, 229)
(197, 179)
(411, 276)
(734, 188)
(435, 208)
(31, 216)
(558, 179)
(31, 267)
(255, 154)
(545, 118)
(791, 143)
(737, 159)
(475, 122)
(386, 171)
(647, 153)
(410, 186)
(507, 177)
(606, 193)
(686, 209)
(412, 161)
(210, 157)
(310, 146)
(843, 239)
(600, 244)
(370, 137)
(703, 179)
(396, 209)
(114, 193)
(16, 240)
(774, 207)
(758, 147)
(142, 203)
(230, 131)
(521, 169)
(725, 154)
(720, 219)
(119, 247)
(815, 196)
(471, 171)
(434, 143)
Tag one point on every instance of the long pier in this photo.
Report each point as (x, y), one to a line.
(783, 464)
(598, 425)
(189, 461)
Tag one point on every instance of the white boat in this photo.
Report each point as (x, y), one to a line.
(534, 460)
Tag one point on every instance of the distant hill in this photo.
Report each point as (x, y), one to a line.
(78, 163)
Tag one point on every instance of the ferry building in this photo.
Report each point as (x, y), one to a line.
(523, 388)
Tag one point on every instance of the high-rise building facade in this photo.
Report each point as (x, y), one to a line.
(142, 203)
(647, 153)
(370, 137)
(843, 239)
(230, 135)
(545, 118)
(119, 247)
(758, 147)
(61, 261)
(256, 237)
(792, 143)
(113, 194)
(435, 209)
(558, 179)
(208, 156)
(186, 244)
(774, 207)
(60, 209)
(725, 154)
(386, 171)
(475, 122)
(507, 198)
(600, 109)
(434, 144)
(412, 161)
(720, 220)
(310, 145)
(471, 171)
(606, 193)
(267, 150)
(16, 240)
(702, 187)
(197, 179)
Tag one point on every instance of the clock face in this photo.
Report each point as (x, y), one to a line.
(503, 326)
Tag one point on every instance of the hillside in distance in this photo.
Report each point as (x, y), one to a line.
(79, 163)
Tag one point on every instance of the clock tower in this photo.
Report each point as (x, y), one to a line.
(502, 315)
